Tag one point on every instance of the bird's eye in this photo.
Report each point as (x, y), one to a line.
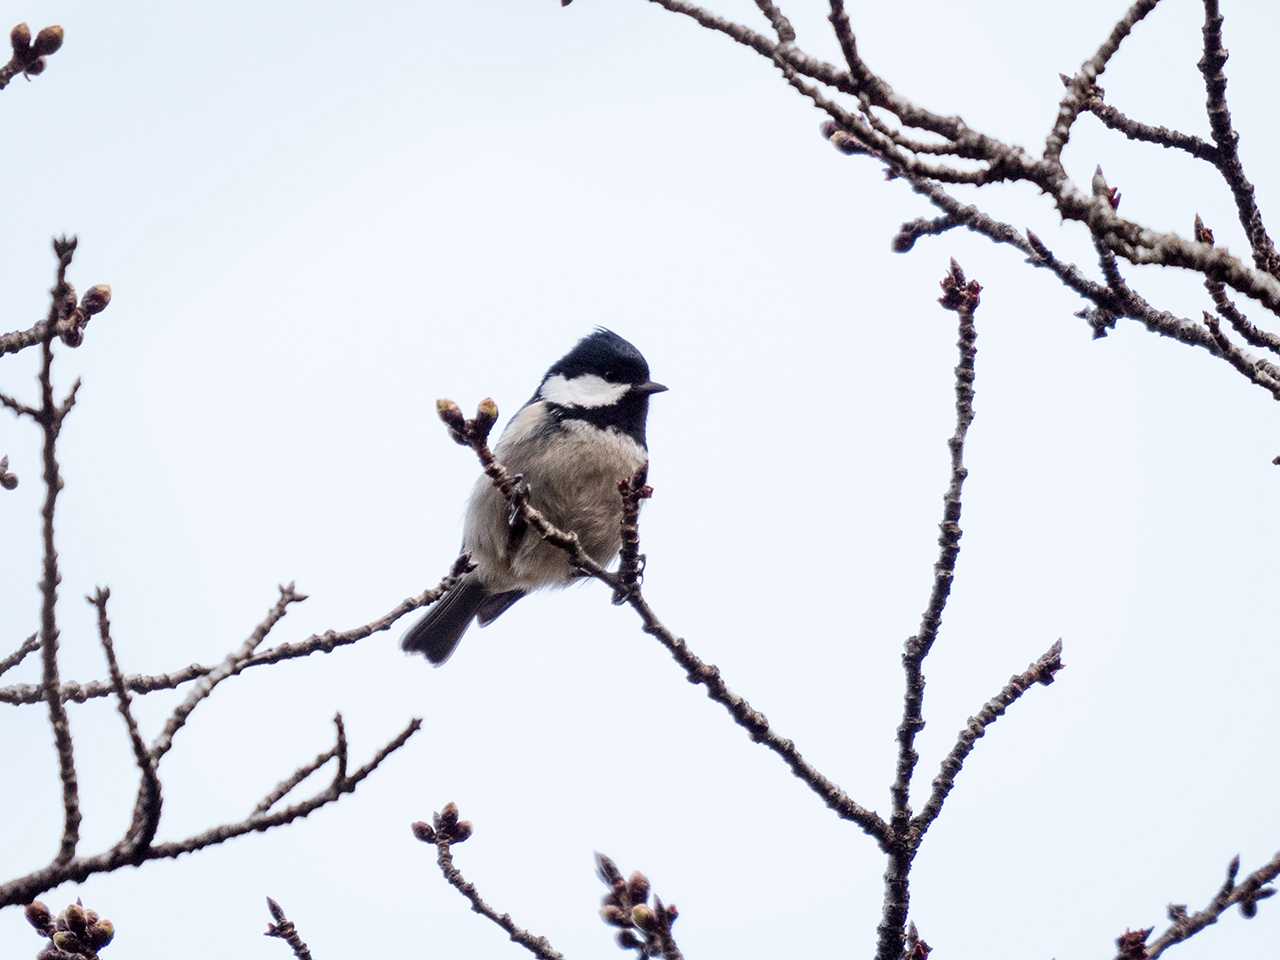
(611, 375)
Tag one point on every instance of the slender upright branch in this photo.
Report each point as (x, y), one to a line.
(50, 416)
(146, 811)
(961, 296)
(1228, 141)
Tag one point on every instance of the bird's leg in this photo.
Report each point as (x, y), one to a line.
(516, 523)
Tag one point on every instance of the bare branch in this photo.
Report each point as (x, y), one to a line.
(961, 296)
(283, 928)
(1113, 119)
(24, 889)
(1040, 671)
(29, 646)
(1227, 140)
(447, 830)
(474, 434)
(50, 420)
(146, 812)
(327, 642)
(1247, 894)
(1080, 86)
(280, 790)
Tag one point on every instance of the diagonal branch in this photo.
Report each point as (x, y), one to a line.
(327, 642)
(1228, 142)
(284, 787)
(29, 646)
(474, 434)
(1041, 671)
(283, 928)
(1247, 893)
(146, 811)
(24, 889)
(447, 831)
(1079, 87)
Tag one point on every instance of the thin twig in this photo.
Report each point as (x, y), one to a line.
(50, 417)
(1079, 86)
(1247, 893)
(474, 434)
(1040, 671)
(283, 928)
(961, 296)
(449, 830)
(1228, 141)
(327, 642)
(25, 889)
(29, 646)
(146, 813)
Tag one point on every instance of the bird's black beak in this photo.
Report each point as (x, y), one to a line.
(649, 387)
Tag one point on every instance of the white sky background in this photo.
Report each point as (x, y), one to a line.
(318, 218)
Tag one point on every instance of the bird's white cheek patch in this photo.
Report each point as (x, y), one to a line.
(586, 390)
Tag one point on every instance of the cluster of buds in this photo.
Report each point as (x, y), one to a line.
(445, 827)
(464, 431)
(1132, 944)
(7, 480)
(958, 293)
(76, 315)
(28, 55)
(75, 932)
(643, 927)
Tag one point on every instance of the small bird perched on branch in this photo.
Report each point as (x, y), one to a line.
(582, 432)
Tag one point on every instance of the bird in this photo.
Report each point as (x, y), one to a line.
(581, 432)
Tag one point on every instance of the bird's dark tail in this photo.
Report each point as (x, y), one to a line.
(437, 634)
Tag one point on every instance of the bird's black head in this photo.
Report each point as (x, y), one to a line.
(603, 380)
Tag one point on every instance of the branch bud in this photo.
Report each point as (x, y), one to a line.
(643, 917)
(449, 815)
(486, 417)
(20, 38)
(66, 941)
(48, 40)
(101, 934)
(462, 831)
(423, 831)
(96, 298)
(34, 68)
(77, 923)
(451, 414)
(638, 887)
(38, 914)
(614, 915)
(1203, 233)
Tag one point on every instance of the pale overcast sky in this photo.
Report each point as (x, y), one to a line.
(317, 218)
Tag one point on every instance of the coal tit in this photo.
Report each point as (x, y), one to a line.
(580, 433)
